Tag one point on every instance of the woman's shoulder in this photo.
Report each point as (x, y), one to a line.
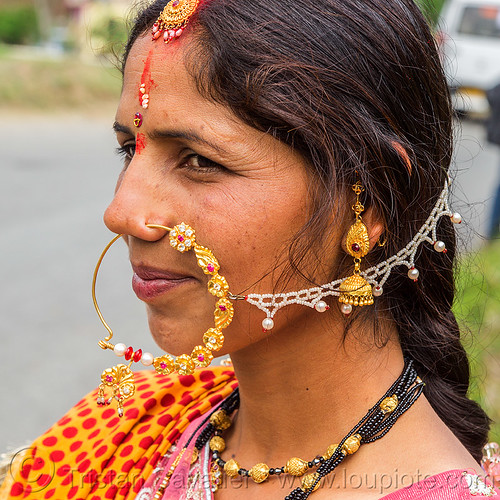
(92, 448)
(456, 484)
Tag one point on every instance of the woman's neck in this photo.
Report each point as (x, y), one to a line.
(303, 389)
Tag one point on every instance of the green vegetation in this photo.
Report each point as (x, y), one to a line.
(18, 25)
(109, 35)
(478, 310)
(66, 84)
(431, 9)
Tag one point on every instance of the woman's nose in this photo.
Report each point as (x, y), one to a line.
(134, 205)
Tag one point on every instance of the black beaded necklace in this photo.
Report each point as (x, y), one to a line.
(374, 425)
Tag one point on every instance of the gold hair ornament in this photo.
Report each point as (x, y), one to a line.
(120, 379)
(174, 19)
(355, 290)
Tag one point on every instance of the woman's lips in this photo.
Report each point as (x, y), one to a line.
(149, 283)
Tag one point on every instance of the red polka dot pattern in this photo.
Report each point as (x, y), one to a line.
(150, 403)
(70, 432)
(72, 492)
(145, 418)
(16, 490)
(132, 414)
(118, 438)
(38, 463)
(64, 470)
(50, 441)
(167, 400)
(108, 413)
(44, 480)
(95, 433)
(25, 470)
(84, 465)
(101, 451)
(93, 454)
(96, 444)
(146, 442)
(57, 456)
(64, 421)
(139, 484)
(112, 490)
(187, 380)
(67, 480)
(89, 423)
(164, 420)
(143, 429)
(127, 465)
(207, 375)
(74, 446)
(112, 423)
(126, 451)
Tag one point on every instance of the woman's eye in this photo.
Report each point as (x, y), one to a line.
(201, 164)
(193, 162)
(126, 151)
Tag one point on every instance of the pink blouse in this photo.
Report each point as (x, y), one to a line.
(454, 484)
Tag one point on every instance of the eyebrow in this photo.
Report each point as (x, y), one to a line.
(188, 135)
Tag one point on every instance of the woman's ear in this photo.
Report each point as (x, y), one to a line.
(375, 226)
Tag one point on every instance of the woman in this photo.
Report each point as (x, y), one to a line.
(291, 137)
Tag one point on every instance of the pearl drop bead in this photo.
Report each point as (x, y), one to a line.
(120, 349)
(413, 274)
(321, 306)
(268, 324)
(456, 218)
(147, 359)
(378, 291)
(346, 309)
(439, 246)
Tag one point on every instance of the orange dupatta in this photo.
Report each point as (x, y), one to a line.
(93, 454)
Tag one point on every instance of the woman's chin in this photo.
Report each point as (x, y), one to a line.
(175, 340)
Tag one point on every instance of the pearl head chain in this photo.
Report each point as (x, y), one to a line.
(376, 276)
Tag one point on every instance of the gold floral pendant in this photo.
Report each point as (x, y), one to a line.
(120, 379)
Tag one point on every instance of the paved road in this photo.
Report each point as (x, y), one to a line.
(57, 176)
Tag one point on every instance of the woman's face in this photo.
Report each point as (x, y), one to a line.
(193, 161)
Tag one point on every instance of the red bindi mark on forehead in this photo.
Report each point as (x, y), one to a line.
(140, 143)
(147, 82)
(138, 120)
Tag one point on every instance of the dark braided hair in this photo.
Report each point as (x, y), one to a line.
(357, 88)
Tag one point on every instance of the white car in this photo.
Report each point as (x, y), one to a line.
(469, 39)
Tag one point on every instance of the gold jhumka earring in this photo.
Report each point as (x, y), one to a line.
(355, 290)
(120, 378)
